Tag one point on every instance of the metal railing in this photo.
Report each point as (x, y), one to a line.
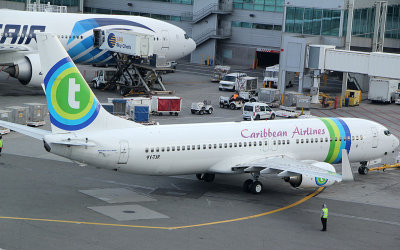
(207, 10)
(38, 7)
(212, 33)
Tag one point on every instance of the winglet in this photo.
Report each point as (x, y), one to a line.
(347, 174)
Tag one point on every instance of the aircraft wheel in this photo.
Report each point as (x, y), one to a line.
(363, 170)
(199, 177)
(246, 185)
(256, 187)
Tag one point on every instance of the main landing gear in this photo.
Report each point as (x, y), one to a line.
(206, 177)
(363, 169)
(253, 186)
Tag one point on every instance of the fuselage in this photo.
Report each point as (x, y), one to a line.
(217, 147)
(75, 31)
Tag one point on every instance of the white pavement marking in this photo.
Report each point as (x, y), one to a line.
(394, 223)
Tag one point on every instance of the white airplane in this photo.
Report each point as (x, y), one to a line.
(301, 152)
(18, 29)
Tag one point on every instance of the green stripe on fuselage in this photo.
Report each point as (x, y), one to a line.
(334, 147)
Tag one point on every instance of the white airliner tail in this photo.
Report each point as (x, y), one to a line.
(71, 103)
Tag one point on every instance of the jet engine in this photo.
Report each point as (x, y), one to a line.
(27, 70)
(307, 181)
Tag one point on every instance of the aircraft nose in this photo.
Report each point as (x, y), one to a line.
(395, 142)
(192, 45)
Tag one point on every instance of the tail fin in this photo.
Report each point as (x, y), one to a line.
(72, 104)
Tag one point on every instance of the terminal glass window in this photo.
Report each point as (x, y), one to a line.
(261, 5)
(312, 21)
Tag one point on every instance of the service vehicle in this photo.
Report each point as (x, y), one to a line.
(257, 111)
(228, 102)
(382, 89)
(397, 97)
(102, 78)
(271, 75)
(231, 81)
(202, 108)
(219, 72)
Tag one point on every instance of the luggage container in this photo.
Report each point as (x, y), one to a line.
(119, 106)
(36, 114)
(139, 113)
(303, 102)
(5, 115)
(109, 107)
(166, 104)
(290, 99)
(18, 114)
(268, 95)
(138, 101)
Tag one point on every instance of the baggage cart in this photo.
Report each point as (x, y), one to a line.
(166, 105)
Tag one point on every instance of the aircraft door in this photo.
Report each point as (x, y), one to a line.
(124, 152)
(165, 39)
(374, 137)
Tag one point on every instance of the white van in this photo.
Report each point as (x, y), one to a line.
(230, 81)
(257, 111)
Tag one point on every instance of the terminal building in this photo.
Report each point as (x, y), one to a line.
(241, 32)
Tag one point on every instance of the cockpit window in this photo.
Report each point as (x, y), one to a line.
(387, 132)
(186, 36)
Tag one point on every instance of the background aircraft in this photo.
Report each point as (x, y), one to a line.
(301, 152)
(18, 48)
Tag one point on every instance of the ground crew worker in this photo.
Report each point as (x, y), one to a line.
(1, 143)
(235, 96)
(324, 216)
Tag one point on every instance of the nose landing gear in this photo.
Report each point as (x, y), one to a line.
(206, 177)
(363, 169)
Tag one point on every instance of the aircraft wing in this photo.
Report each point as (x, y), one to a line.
(29, 131)
(12, 48)
(284, 167)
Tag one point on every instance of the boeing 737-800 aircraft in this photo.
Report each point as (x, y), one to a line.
(301, 152)
(18, 29)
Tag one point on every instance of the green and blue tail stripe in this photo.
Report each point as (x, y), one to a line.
(57, 83)
(337, 129)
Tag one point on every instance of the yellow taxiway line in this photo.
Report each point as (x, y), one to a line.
(173, 228)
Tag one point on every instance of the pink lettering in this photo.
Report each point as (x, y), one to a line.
(244, 136)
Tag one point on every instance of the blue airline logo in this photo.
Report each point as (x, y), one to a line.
(19, 34)
(111, 40)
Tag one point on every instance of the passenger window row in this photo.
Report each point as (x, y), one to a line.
(30, 36)
(316, 140)
(215, 146)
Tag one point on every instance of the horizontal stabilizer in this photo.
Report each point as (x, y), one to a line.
(29, 131)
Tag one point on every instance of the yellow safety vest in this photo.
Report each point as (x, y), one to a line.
(324, 213)
(1, 143)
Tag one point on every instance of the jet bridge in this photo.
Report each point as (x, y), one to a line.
(320, 58)
(138, 69)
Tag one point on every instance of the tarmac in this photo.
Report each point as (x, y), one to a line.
(48, 202)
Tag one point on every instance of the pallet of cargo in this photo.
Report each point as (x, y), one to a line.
(4, 131)
(36, 124)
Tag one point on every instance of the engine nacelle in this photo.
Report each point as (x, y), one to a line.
(27, 70)
(307, 181)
